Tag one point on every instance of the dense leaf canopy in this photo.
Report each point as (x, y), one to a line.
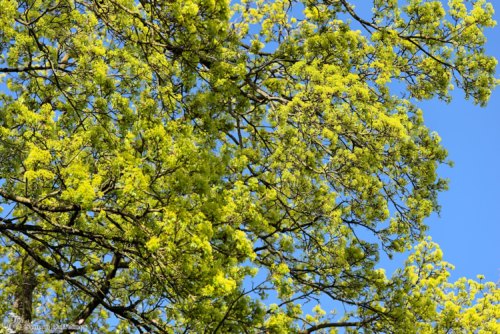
(206, 166)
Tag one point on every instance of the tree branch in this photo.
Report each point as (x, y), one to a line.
(102, 292)
(337, 324)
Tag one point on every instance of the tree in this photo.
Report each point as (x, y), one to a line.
(200, 166)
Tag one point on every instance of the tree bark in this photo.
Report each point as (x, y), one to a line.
(23, 298)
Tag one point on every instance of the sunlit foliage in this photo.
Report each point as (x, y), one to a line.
(206, 166)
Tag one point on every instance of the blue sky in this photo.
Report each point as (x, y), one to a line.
(468, 229)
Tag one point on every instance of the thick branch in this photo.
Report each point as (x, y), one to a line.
(31, 69)
(337, 324)
(102, 292)
(66, 208)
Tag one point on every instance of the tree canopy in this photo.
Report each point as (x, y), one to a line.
(211, 166)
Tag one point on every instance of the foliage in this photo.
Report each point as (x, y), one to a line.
(201, 166)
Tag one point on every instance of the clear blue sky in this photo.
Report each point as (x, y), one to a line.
(469, 227)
